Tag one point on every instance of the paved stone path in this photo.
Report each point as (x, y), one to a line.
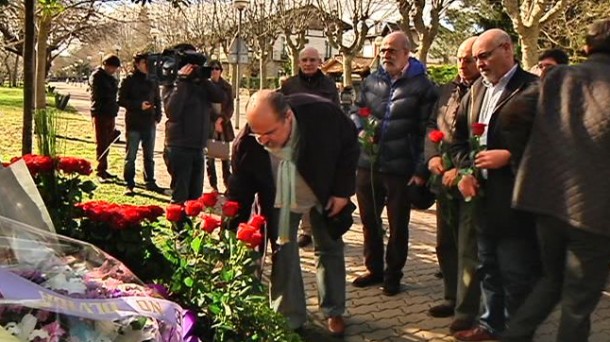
(372, 316)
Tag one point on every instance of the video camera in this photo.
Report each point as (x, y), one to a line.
(163, 67)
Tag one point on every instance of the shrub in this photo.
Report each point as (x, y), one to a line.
(442, 74)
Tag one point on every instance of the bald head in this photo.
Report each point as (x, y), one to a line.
(493, 52)
(269, 118)
(309, 60)
(394, 53)
(467, 68)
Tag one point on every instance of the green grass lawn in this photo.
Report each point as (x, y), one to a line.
(76, 138)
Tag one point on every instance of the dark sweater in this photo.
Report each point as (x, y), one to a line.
(104, 88)
(316, 84)
(136, 89)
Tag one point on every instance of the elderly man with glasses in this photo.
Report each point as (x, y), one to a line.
(299, 154)
(506, 238)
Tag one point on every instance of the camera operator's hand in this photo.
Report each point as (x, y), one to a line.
(146, 105)
(186, 70)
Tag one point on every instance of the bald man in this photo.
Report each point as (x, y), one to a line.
(506, 238)
(456, 243)
(299, 153)
(400, 98)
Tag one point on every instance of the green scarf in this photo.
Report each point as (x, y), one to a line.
(285, 194)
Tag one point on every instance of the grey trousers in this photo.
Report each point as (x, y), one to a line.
(287, 293)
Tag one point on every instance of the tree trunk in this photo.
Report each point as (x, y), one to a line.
(262, 74)
(44, 27)
(347, 69)
(28, 77)
(294, 60)
(424, 48)
(15, 72)
(529, 46)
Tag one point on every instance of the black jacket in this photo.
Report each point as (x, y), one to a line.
(189, 112)
(327, 157)
(227, 109)
(134, 90)
(104, 88)
(496, 215)
(317, 84)
(403, 108)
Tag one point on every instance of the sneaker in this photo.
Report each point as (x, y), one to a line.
(129, 192)
(304, 240)
(391, 288)
(478, 334)
(442, 310)
(367, 280)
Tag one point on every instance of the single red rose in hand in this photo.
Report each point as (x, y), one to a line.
(478, 129)
(173, 213)
(364, 112)
(256, 239)
(257, 221)
(209, 199)
(245, 231)
(230, 208)
(209, 223)
(193, 208)
(436, 136)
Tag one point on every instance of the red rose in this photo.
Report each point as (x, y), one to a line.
(153, 212)
(249, 234)
(478, 129)
(173, 213)
(192, 208)
(209, 223)
(257, 221)
(436, 136)
(230, 208)
(364, 112)
(209, 199)
(6, 164)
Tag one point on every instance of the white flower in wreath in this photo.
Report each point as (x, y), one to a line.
(22, 329)
(38, 335)
(60, 282)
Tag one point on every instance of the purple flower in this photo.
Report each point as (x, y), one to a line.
(159, 289)
(54, 330)
(189, 317)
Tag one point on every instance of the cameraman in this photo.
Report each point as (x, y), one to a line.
(188, 107)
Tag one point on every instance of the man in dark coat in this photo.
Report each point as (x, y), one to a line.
(141, 99)
(456, 242)
(564, 180)
(188, 107)
(310, 80)
(222, 124)
(299, 154)
(104, 109)
(400, 97)
(507, 247)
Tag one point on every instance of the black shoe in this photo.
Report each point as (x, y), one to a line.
(391, 288)
(442, 310)
(106, 175)
(460, 325)
(367, 280)
(304, 240)
(129, 192)
(155, 188)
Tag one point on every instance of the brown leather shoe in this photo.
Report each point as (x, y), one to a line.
(477, 334)
(336, 326)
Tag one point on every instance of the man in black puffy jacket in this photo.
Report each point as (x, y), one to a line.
(400, 98)
(104, 109)
(142, 101)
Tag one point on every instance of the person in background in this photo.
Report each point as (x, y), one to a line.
(227, 134)
(142, 101)
(310, 80)
(104, 109)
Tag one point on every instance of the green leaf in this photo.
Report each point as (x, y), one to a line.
(188, 281)
(88, 186)
(196, 245)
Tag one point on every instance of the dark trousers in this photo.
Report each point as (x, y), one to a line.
(185, 166)
(104, 133)
(374, 191)
(509, 267)
(226, 172)
(575, 272)
(147, 138)
(456, 250)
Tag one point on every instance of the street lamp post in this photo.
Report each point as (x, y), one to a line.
(240, 5)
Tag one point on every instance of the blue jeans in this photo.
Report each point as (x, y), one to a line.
(186, 167)
(509, 268)
(148, 148)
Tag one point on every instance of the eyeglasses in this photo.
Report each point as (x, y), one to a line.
(483, 56)
(311, 60)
